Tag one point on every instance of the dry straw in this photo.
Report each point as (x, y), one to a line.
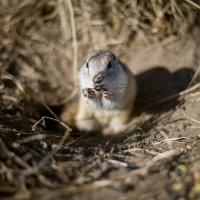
(42, 43)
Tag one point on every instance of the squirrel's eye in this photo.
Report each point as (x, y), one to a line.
(109, 65)
(87, 65)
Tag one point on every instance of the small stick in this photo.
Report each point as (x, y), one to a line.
(32, 138)
(16, 81)
(141, 149)
(197, 72)
(68, 3)
(193, 3)
(56, 120)
(12, 156)
(42, 162)
(118, 163)
(110, 182)
(162, 132)
(164, 155)
(172, 140)
(191, 119)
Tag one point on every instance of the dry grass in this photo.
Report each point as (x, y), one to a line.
(40, 39)
(42, 43)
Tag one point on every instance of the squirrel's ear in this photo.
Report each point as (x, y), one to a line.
(87, 65)
(114, 57)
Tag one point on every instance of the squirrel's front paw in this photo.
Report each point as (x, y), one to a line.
(107, 94)
(98, 87)
(89, 93)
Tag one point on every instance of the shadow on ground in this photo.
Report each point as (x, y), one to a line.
(154, 84)
(159, 83)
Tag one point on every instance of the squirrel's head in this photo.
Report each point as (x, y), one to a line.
(102, 69)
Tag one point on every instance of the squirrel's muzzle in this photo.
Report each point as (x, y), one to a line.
(97, 79)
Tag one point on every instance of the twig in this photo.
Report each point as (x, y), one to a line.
(64, 25)
(194, 127)
(68, 3)
(197, 72)
(193, 3)
(50, 154)
(12, 156)
(179, 139)
(191, 119)
(162, 132)
(63, 21)
(141, 149)
(50, 118)
(164, 155)
(12, 78)
(195, 94)
(112, 181)
(10, 130)
(118, 163)
(43, 161)
(33, 138)
(45, 181)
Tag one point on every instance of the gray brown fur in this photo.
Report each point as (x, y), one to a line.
(109, 109)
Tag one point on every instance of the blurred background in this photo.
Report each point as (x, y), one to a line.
(42, 45)
(44, 42)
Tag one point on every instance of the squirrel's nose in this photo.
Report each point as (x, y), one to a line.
(97, 78)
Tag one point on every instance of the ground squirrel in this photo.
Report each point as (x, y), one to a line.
(107, 94)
